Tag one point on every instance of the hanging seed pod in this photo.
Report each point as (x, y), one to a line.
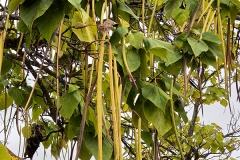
(106, 26)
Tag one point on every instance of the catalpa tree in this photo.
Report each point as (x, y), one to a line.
(112, 78)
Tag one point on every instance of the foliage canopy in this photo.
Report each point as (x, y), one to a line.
(114, 77)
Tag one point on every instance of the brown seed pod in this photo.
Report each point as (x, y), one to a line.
(106, 26)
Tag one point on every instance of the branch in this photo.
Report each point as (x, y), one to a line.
(129, 147)
(82, 124)
(46, 138)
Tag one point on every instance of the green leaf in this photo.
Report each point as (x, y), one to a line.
(117, 35)
(55, 150)
(214, 147)
(173, 57)
(76, 4)
(211, 37)
(209, 59)
(69, 102)
(119, 58)
(196, 94)
(178, 106)
(91, 116)
(174, 68)
(160, 120)
(144, 70)
(85, 153)
(37, 97)
(171, 6)
(233, 13)
(50, 20)
(72, 88)
(223, 102)
(80, 19)
(91, 143)
(30, 11)
(26, 131)
(155, 94)
(4, 153)
(13, 5)
(191, 5)
(138, 108)
(135, 39)
(7, 65)
(123, 7)
(133, 60)
(71, 131)
(219, 138)
(198, 46)
(16, 94)
(215, 49)
(36, 112)
(158, 47)
(236, 2)
(22, 27)
(3, 103)
(180, 15)
(147, 138)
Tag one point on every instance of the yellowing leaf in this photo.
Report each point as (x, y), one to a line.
(26, 131)
(223, 102)
(5, 101)
(4, 155)
(86, 31)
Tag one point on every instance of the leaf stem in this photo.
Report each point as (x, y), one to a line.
(125, 63)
